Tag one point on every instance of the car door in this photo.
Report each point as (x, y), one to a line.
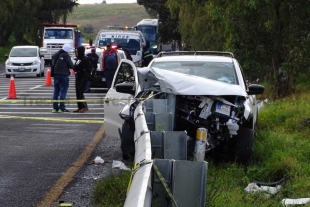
(126, 72)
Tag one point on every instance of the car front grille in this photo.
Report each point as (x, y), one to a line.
(21, 64)
(26, 70)
(54, 46)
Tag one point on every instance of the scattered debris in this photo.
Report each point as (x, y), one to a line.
(271, 184)
(305, 122)
(98, 160)
(120, 165)
(254, 188)
(299, 201)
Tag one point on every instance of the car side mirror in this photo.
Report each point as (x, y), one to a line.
(125, 88)
(255, 89)
(6, 56)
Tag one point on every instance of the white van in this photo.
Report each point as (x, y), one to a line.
(132, 41)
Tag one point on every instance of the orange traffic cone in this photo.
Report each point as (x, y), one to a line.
(12, 89)
(48, 80)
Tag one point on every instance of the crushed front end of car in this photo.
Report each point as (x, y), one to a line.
(225, 110)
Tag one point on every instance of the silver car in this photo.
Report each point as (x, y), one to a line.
(201, 89)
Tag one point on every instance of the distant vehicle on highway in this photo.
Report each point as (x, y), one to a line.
(54, 36)
(24, 61)
(132, 41)
(150, 30)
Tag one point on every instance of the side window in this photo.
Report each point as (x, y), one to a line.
(125, 74)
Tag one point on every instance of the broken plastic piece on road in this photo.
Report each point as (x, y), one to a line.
(254, 188)
(120, 165)
(298, 201)
(98, 160)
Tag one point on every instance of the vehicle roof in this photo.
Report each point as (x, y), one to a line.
(26, 46)
(58, 27)
(194, 58)
(153, 22)
(129, 32)
(101, 50)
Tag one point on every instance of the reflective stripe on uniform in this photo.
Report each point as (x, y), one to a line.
(148, 55)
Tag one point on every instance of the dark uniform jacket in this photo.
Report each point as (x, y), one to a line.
(147, 57)
(82, 66)
(93, 57)
(61, 63)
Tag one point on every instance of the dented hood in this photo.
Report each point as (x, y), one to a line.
(184, 84)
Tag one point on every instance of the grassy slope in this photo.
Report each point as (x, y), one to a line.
(99, 16)
(102, 15)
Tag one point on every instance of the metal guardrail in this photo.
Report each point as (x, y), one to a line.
(140, 192)
(153, 132)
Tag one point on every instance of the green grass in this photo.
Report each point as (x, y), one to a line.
(102, 15)
(111, 191)
(281, 150)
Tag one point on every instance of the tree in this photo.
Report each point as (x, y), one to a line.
(270, 38)
(167, 25)
(23, 18)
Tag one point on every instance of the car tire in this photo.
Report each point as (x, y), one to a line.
(42, 74)
(7, 76)
(39, 75)
(47, 62)
(244, 146)
(127, 141)
(255, 125)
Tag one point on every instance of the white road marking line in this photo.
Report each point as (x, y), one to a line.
(36, 108)
(67, 118)
(35, 87)
(49, 104)
(33, 113)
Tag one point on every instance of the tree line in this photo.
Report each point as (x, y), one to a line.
(22, 18)
(271, 38)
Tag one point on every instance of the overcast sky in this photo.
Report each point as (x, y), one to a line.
(108, 1)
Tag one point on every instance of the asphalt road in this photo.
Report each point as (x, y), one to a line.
(39, 158)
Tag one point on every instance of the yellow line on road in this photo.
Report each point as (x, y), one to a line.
(55, 192)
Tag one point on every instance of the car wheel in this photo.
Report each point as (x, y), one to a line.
(39, 75)
(127, 141)
(7, 76)
(244, 146)
(47, 62)
(42, 74)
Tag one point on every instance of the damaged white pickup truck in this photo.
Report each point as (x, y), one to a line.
(202, 89)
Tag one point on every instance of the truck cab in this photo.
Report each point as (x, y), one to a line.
(54, 36)
(149, 28)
